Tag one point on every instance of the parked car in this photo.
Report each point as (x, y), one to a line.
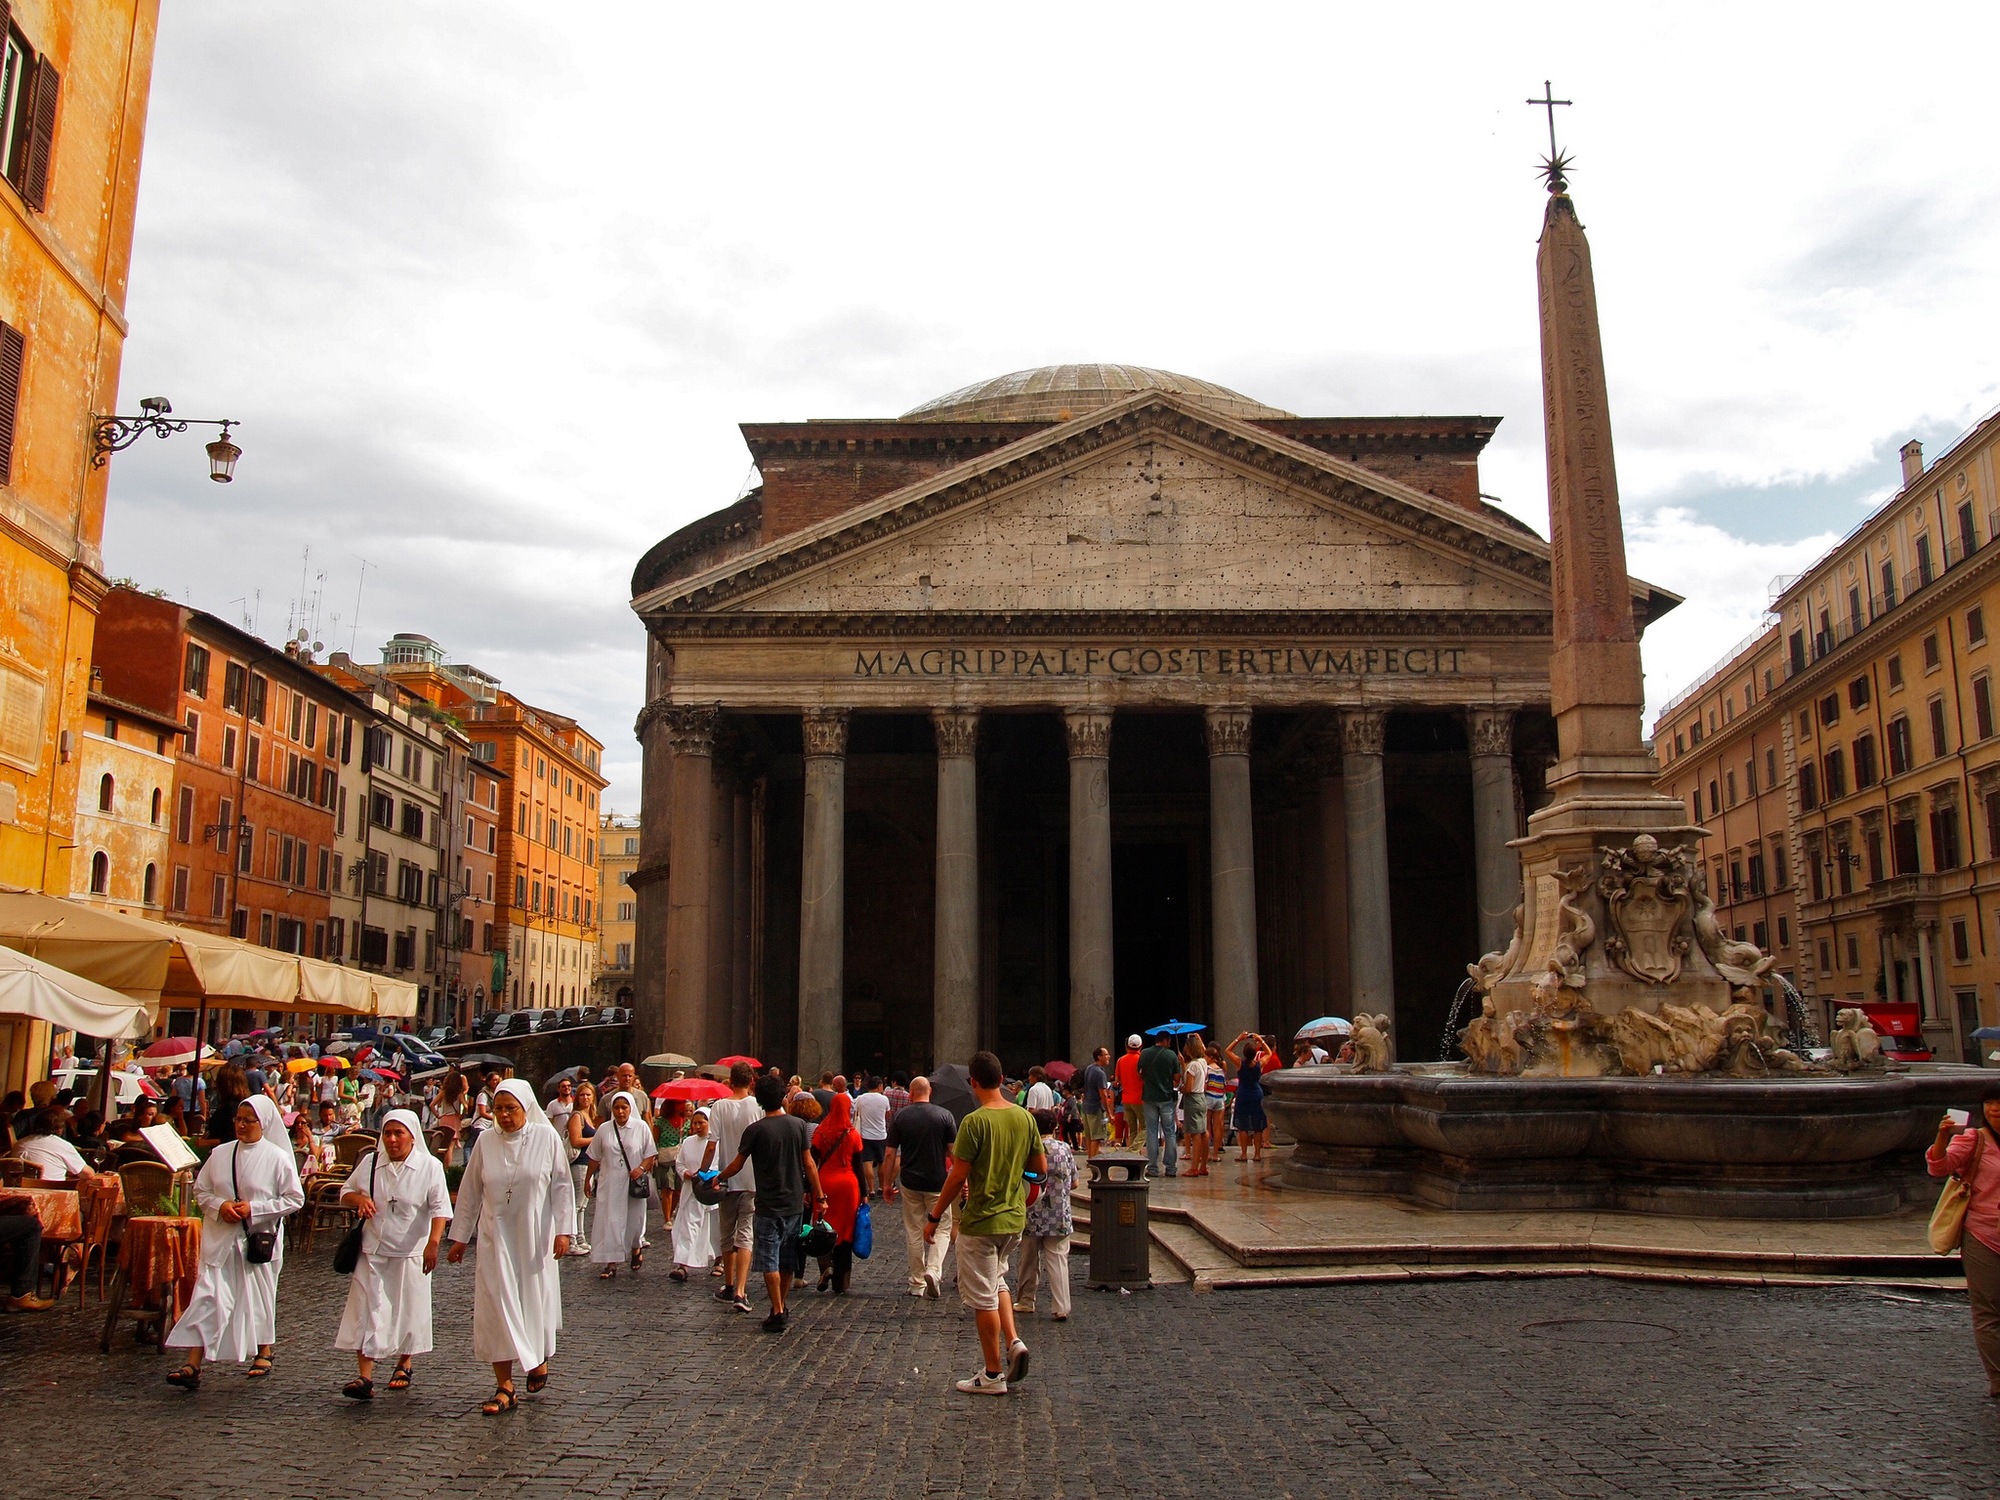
(420, 1056)
(616, 1015)
(521, 1022)
(490, 1023)
(571, 1016)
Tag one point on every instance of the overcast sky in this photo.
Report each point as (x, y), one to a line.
(490, 285)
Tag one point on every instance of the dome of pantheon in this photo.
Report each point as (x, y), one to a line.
(1058, 392)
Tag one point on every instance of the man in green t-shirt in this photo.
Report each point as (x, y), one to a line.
(1159, 1075)
(995, 1144)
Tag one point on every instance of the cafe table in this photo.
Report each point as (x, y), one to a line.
(157, 1266)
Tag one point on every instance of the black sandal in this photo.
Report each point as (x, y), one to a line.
(259, 1368)
(609, 1273)
(399, 1378)
(537, 1381)
(187, 1377)
(360, 1388)
(501, 1400)
(638, 1259)
(678, 1273)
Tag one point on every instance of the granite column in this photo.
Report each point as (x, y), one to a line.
(823, 894)
(1496, 868)
(691, 728)
(1232, 871)
(955, 948)
(1371, 956)
(1092, 1010)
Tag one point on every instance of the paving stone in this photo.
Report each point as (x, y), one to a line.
(1465, 1389)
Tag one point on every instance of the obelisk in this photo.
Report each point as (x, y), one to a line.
(1570, 943)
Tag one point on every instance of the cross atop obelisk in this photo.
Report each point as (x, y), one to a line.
(1596, 689)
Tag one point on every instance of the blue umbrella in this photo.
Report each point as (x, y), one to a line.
(1987, 1034)
(1176, 1028)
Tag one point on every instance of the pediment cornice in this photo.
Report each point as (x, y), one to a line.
(940, 624)
(1396, 507)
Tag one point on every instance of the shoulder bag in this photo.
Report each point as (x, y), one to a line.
(259, 1245)
(635, 1187)
(1948, 1218)
(347, 1254)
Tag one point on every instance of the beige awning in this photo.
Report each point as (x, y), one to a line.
(37, 989)
(393, 997)
(329, 989)
(121, 953)
(230, 971)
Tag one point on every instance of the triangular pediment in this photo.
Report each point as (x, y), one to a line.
(1154, 505)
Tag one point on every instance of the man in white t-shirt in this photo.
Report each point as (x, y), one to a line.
(735, 1215)
(1039, 1095)
(871, 1118)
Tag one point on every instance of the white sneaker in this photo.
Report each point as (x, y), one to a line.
(983, 1384)
(917, 1291)
(1025, 1309)
(931, 1288)
(1017, 1360)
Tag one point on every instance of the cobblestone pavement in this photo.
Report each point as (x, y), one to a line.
(1555, 1387)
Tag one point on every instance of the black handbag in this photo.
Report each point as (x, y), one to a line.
(259, 1245)
(635, 1187)
(347, 1254)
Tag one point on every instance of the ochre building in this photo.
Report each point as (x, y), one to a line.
(1076, 700)
(1877, 693)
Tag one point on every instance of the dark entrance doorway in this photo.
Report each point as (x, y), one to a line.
(1151, 927)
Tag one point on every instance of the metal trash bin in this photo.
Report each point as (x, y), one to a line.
(1121, 1243)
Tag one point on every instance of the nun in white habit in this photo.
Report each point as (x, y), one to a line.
(247, 1186)
(623, 1151)
(399, 1193)
(516, 1196)
(694, 1220)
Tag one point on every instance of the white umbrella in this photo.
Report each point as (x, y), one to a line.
(1325, 1026)
(30, 987)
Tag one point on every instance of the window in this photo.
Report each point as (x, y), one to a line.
(1900, 754)
(1770, 768)
(1888, 584)
(1924, 573)
(1784, 933)
(1714, 799)
(106, 793)
(224, 825)
(1982, 706)
(1760, 934)
(217, 894)
(325, 866)
(1857, 693)
(1944, 838)
(520, 890)
(624, 956)
(194, 733)
(100, 873)
(405, 957)
(631, 846)
(1895, 671)
(1756, 871)
(1961, 942)
(1872, 841)
(1853, 954)
(1938, 745)
(1737, 889)
(259, 687)
(1729, 783)
(1975, 625)
(413, 821)
(492, 838)
(486, 934)
(184, 817)
(1903, 846)
(1930, 653)
(156, 807)
(244, 848)
(312, 725)
(229, 747)
(378, 873)
(234, 683)
(1750, 776)
(1808, 786)
(13, 353)
(253, 759)
(1825, 957)
(1993, 825)
(1829, 710)
(195, 679)
(627, 911)
(1781, 867)
(382, 810)
(374, 946)
(1864, 762)
(239, 923)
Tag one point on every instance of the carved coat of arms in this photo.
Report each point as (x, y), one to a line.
(1645, 891)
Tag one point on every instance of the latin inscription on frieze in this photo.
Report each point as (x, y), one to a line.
(1161, 661)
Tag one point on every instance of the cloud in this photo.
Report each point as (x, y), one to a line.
(491, 293)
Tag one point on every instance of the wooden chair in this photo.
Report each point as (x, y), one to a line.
(98, 1214)
(146, 1183)
(14, 1170)
(348, 1149)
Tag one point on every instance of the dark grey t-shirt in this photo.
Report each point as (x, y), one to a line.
(777, 1146)
(924, 1133)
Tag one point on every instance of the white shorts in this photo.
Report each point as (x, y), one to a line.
(982, 1268)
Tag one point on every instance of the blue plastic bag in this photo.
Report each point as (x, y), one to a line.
(864, 1232)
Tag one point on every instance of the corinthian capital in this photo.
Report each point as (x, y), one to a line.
(825, 731)
(957, 731)
(691, 727)
(655, 712)
(1228, 731)
(1491, 730)
(1089, 732)
(1361, 730)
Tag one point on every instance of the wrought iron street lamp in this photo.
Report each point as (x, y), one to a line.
(111, 434)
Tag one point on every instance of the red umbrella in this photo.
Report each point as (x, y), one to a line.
(730, 1062)
(1061, 1072)
(691, 1088)
(168, 1052)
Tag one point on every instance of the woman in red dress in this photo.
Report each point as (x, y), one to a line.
(836, 1143)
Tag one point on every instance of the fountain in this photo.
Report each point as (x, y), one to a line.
(1622, 1056)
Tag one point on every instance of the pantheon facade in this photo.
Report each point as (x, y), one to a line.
(1076, 700)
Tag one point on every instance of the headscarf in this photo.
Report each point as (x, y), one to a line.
(633, 1121)
(833, 1129)
(269, 1116)
(407, 1119)
(525, 1096)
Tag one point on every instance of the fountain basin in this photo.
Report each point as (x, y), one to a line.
(1778, 1148)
